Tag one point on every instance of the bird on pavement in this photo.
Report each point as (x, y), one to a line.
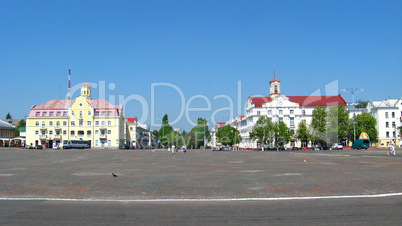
(114, 175)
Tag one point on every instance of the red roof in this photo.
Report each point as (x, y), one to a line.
(274, 80)
(131, 120)
(220, 124)
(85, 84)
(55, 105)
(305, 101)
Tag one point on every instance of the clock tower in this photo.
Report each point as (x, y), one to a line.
(275, 87)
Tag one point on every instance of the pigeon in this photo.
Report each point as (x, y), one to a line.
(114, 175)
(305, 161)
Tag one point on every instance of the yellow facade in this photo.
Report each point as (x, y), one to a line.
(96, 121)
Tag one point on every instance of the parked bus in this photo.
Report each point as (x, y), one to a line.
(76, 144)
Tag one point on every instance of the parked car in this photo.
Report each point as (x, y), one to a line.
(361, 143)
(56, 146)
(38, 147)
(337, 146)
(294, 149)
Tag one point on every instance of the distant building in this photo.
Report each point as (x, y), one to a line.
(137, 134)
(388, 114)
(290, 109)
(7, 133)
(20, 133)
(96, 121)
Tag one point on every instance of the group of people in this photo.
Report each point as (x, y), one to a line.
(173, 149)
(391, 148)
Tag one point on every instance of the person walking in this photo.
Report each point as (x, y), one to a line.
(173, 149)
(391, 148)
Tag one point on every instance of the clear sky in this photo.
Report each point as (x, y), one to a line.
(201, 51)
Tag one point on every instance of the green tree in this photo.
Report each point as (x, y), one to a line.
(8, 116)
(365, 122)
(362, 103)
(263, 130)
(198, 134)
(302, 132)
(318, 124)
(165, 129)
(282, 133)
(228, 135)
(337, 124)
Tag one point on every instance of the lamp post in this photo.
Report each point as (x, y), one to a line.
(352, 91)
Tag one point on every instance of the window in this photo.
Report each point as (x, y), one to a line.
(80, 114)
(393, 134)
(393, 114)
(96, 113)
(43, 124)
(64, 123)
(50, 123)
(64, 132)
(303, 112)
(89, 133)
(72, 133)
(292, 121)
(43, 132)
(50, 132)
(51, 113)
(281, 119)
(36, 132)
(292, 112)
(96, 123)
(36, 123)
(109, 113)
(80, 104)
(102, 123)
(109, 123)
(387, 134)
(80, 123)
(393, 124)
(89, 113)
(58, 113)
(281, 112)
(103, 113)
(96, 132)
(57, 132)
(44, 114)
(109, 132)
(258, 112)
(386, 114)
(65, 113)
(269, 112)
(131, 128)
(37, 114)
(73, 123)
(386, 124)
(72, 113)
(89, 123)
(57, 123)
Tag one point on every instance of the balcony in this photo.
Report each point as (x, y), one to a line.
(102, 127)
(102, 136)
(42, 136)
(57, 136)
(57, 127)
(43, 127)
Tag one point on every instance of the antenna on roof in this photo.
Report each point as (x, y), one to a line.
(68, 97)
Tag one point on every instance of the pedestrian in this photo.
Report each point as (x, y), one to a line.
(391, 147)
(173, 149)
(169, 150)
(183, 149)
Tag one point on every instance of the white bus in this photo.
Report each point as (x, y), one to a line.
(76, 144)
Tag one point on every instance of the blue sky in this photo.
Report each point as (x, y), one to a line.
(205, 48)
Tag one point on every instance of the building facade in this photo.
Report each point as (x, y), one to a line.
(137, 134)
(7, 134)
(96, 121)
(388, 114)
(290, 109)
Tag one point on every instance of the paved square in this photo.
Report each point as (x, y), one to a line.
(147, 174)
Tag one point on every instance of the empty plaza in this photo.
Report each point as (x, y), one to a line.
(197, 174)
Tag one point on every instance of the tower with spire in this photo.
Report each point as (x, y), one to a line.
(275, 87)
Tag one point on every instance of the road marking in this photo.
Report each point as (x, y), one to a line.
(207, 200)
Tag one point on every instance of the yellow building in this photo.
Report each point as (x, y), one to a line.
(96, 121)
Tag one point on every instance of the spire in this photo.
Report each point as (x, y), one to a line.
(68, 96)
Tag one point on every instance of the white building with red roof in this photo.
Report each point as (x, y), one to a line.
(279, 107)
(83, 119)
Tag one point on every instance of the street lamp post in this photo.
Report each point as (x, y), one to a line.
(352, 91)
